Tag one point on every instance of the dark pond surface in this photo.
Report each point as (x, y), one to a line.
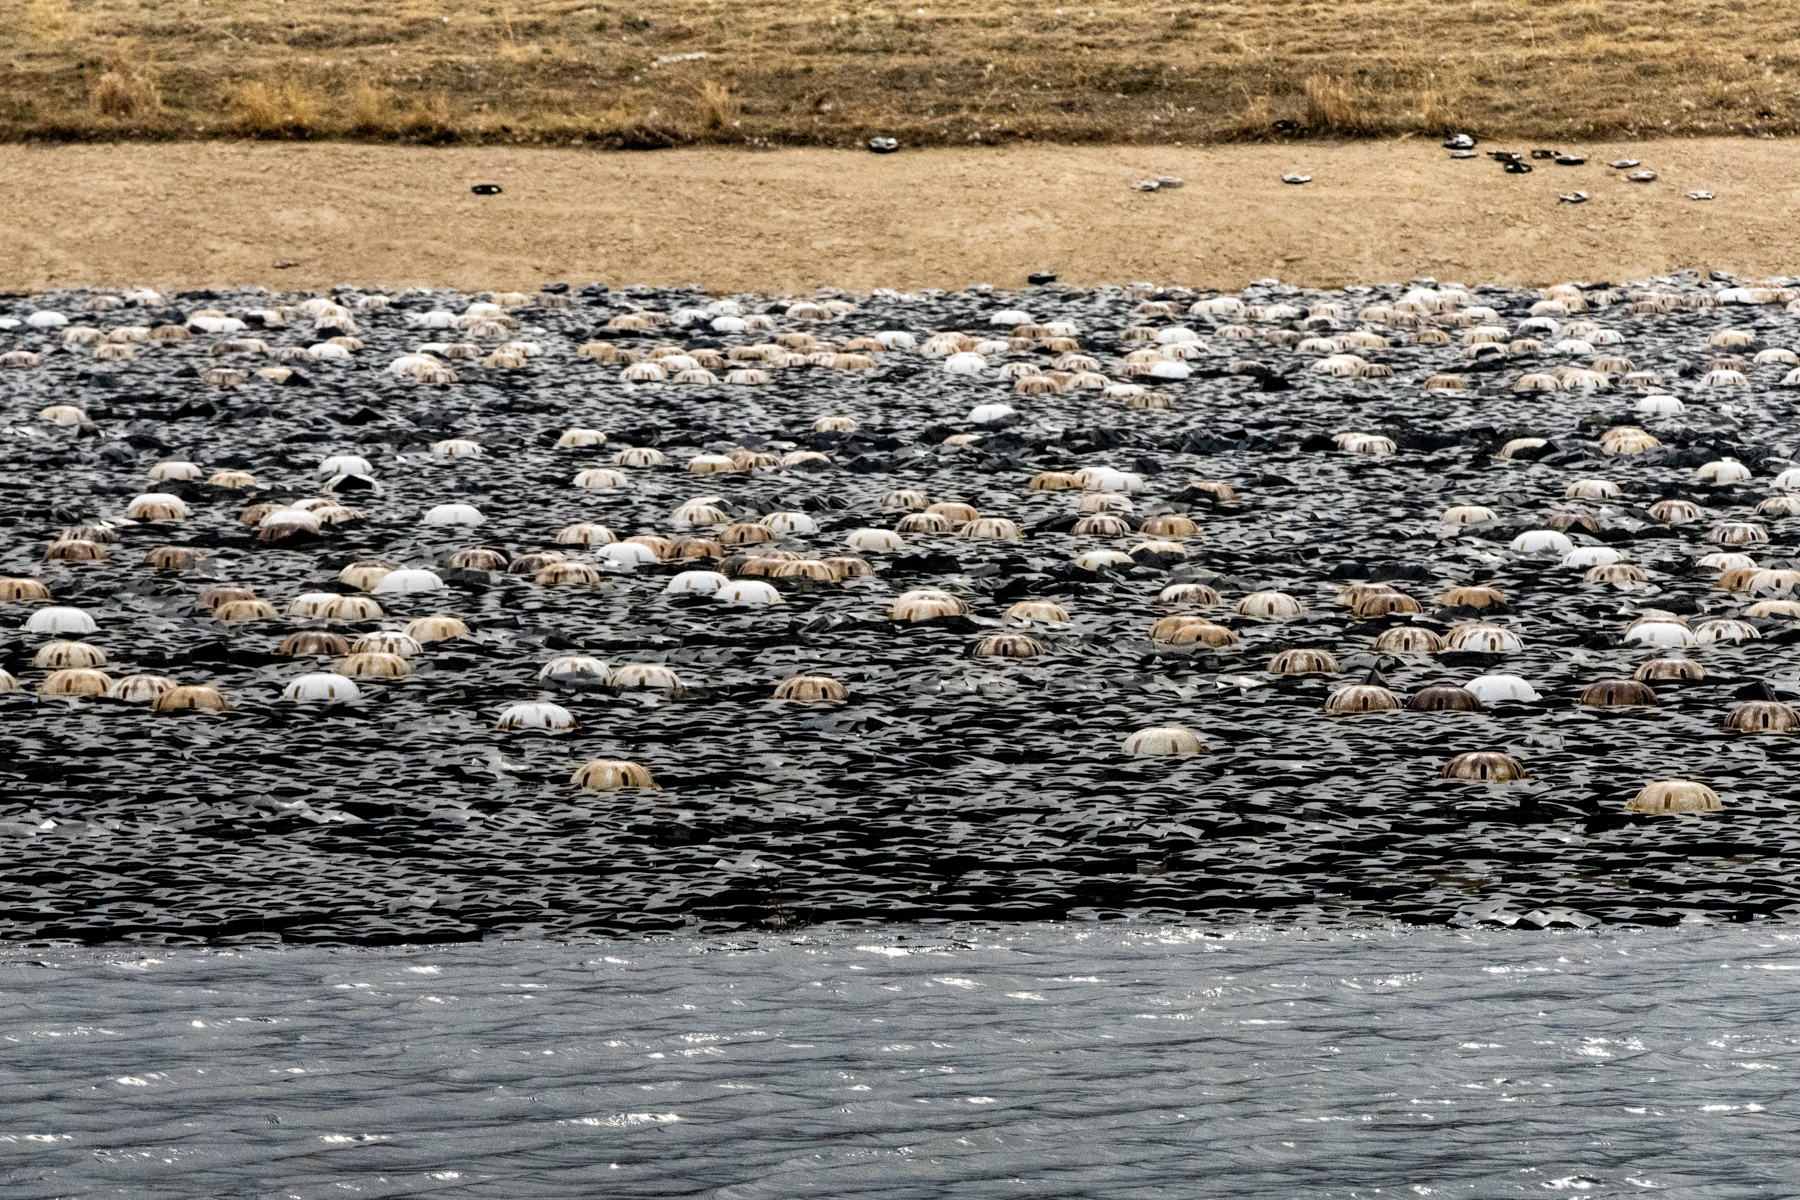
(1026, 1060)
(945, 786)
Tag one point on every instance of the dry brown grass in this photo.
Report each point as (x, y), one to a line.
(124, 95)
(274, 108)
(963, 72)
(718, 108)
(370, 107)
(1331, 109)
(50, 22)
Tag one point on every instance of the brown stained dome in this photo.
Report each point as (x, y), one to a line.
(926, 604)
(1169, 525)
(76, 681)
(811, 688)
(23, 589)
(313, 641)
(1762, 716)
(1361, 698)
(1409, 639)
(1383, 604)
(476, 558)
(746, 533)
(1270, 605)
(606, 774)
(1354, 593)
(920, 522)
(177, 699)
(578, 573)
(1164, 740)
(1674, 796)
(1188, 630)
(1669, 668)
(245, 610)
(533, 562)
(374, 665)
(1101, 525)
(1618, 693)
(1007, 645)
(1188, 593)
(1615, 573)
(1445, 697)
(1473, 596)
(173, 558)
(1484, 766)
(1036, 610)
(1304, 662)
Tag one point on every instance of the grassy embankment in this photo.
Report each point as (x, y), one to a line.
(644, 73)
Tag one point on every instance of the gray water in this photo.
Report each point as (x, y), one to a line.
(1035, 1061)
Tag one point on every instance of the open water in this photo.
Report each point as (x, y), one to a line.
(1101, 1060)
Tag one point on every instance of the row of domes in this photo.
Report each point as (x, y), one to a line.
(1479, 333)
(1677, 796)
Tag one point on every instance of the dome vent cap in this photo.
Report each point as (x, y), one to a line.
(1502, 689)
(1164, 741)
(1358, 698)
(141, 689)
(1673, 796)
(1618, 693)
(602, 774)
(538, 717)
(1484, 766)
(1445, 697)
(810, 688)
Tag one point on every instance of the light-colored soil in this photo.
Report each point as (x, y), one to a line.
(217, 213)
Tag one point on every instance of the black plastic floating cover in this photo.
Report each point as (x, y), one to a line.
(486, 189)
(1379, 572)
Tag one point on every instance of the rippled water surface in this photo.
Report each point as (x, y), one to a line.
(1033, 1061)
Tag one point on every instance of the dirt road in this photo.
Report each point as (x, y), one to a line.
(300, 216)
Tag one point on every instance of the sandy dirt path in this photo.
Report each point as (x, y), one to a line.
(198, 214)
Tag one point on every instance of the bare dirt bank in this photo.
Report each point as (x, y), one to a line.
(197, 214)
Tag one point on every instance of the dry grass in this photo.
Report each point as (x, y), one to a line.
(273, 109)
(369, 108)
(1331, 109)
(125, 96)
(665, 72)
(718, 109)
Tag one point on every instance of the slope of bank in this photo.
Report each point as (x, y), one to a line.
(644, 73)
(302, 216)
